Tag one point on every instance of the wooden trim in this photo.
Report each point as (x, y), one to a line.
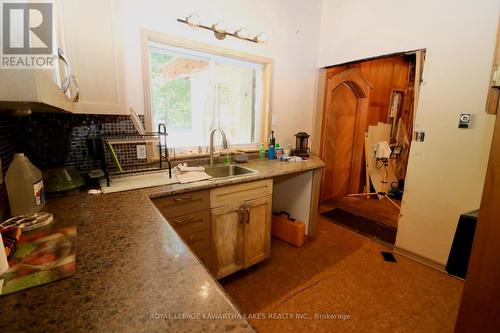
(160, 37)
(267, 76)
(419, 68)
(417, 257)
(315, 198)
(479, 306)
(318, 111)
(493, 101)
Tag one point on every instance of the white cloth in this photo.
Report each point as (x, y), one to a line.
(184, 168)
(193, 176)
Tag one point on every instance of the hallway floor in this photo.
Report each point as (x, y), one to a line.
(381, 211)
(339, 272)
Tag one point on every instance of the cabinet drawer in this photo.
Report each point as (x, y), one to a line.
(191, 223)
(182, 204)
(205, 257)
(228, 195)
(198, 240)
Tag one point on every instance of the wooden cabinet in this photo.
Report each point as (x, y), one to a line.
(228, 228)
(241, 226)
(91, 43)
(189, 215)
(257, 230)
(227, 239)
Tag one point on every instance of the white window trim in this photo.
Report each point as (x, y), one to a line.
(148, 36)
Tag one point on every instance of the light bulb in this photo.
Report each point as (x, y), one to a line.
(193, 20)
(241, 33)
(219, 27)
(261, 38)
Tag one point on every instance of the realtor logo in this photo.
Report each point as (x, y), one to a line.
(27, 35)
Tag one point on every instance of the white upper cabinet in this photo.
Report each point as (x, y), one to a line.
(92, 45)
(38, 89)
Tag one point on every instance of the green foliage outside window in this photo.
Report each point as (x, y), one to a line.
(171, 97)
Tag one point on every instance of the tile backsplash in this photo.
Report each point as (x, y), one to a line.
(10, 141)
(53, 140)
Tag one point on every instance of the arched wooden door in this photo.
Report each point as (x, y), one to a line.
(344, 127)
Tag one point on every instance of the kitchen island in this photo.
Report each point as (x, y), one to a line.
(133, 272)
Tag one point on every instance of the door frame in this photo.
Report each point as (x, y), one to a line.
(361, 88)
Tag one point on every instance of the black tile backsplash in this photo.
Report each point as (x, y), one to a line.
(10, 141)
(53, 140)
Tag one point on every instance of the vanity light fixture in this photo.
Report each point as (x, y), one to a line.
(193, 20)
(219, 30)
(241, 33)
(261, 38)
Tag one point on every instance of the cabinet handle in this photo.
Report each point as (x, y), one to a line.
(241, 215)
(184, 198)
(67, 79)
(186, 220)
(247, 209)
(76, 98)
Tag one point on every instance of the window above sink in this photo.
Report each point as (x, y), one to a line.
(193, 88)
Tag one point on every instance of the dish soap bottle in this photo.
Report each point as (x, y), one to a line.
(24, 187)
(270, 150)
(262, 152)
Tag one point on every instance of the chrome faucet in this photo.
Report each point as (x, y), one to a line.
(224, 143)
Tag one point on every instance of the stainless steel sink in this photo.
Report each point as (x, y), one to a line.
(225, 171)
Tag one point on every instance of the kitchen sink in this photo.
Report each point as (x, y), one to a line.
(225, 171)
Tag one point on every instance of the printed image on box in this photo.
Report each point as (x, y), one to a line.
(39, 259)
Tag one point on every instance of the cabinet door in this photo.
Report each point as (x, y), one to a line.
(93, 49)
(257, 230)
(227, 240)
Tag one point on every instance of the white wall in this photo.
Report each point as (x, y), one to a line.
(292, 26)
(446, 173)
(293, 195)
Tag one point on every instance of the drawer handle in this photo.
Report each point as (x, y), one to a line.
(184, 198)
(186, 220)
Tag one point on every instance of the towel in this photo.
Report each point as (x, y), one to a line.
(184, 168)
(193, 176)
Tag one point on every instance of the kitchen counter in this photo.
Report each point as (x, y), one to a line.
(133, 272)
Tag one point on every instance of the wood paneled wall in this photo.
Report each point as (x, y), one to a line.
(386, 75)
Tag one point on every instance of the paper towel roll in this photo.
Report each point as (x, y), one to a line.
(4, 265)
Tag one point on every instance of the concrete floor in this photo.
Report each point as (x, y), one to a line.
(342, 275)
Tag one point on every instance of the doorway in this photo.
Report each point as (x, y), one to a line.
(361, 98)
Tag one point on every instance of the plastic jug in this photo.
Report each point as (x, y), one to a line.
(24, 186)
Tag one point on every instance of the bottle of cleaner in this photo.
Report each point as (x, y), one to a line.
(279, 152)
(24, 187)
(262, 152)
(270, 150)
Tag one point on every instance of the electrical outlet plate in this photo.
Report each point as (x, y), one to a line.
(141, 152)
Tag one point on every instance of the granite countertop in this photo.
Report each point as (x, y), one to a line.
(133, 272)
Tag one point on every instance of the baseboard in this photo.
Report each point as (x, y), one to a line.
(421, 259)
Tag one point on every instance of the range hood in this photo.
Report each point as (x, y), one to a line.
(32, 89)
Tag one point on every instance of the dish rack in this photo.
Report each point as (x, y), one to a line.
(154, 141)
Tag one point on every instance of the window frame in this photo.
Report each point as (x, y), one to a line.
(148, 36)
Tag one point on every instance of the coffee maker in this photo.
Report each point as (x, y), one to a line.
(301, 145)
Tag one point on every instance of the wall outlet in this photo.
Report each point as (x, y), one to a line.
(141, 152)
